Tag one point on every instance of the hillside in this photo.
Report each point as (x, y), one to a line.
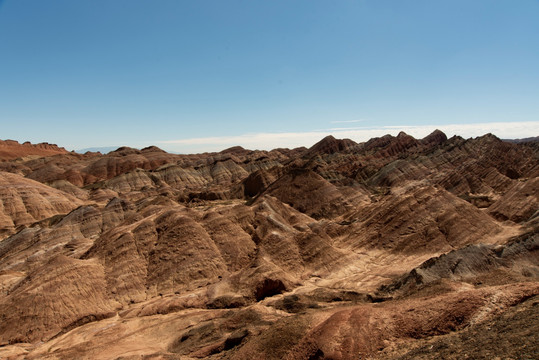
(11, 150)
(345, 250)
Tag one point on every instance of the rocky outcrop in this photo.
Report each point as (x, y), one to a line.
(518, 259)
(325, 252)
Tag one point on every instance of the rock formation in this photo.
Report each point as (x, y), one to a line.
(383, 249)
(11, 150)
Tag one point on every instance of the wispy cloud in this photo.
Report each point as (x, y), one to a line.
(346, 121)
(344, 129)
(267, 141)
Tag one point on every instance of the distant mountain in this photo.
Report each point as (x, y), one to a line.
(524, 140)
(102, 149)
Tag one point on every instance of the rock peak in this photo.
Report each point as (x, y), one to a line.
(435, 137)
(330, 145)
(124, 150)
(234, 150)
(152, 148)
(402, 134)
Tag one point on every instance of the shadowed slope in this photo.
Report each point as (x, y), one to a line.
(339, 251)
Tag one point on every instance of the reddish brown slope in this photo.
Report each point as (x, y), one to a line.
(418, 219)
(52, 298)
(11, 149)
(193, 270)
(24, 201)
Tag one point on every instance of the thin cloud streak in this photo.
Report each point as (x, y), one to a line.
(268, 141)
(346, 121)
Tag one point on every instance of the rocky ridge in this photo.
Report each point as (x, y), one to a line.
(338, 251)
(11, 150)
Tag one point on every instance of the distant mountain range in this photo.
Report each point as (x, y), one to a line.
(102, 149)
(524, 140)
(107, 149)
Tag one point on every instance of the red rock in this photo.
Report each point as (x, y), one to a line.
(281, 254)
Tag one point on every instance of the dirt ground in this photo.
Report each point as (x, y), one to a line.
(511, 335)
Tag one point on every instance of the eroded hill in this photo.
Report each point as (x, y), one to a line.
(340, 251)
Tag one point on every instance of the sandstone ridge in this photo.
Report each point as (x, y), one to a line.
(11, 149)
(382, 249)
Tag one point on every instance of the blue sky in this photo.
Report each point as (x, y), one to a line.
(192, 76)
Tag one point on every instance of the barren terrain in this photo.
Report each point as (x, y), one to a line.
(396, 248)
